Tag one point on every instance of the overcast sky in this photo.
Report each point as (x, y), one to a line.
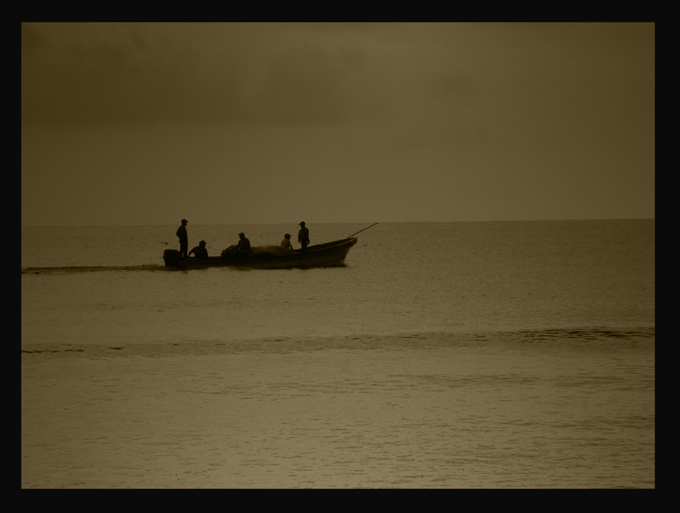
(135, 124)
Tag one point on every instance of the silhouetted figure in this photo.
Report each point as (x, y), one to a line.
(200, 250)
(303, 236)
(240, 249)
(183, 238)
(285, 243)
(243, 243)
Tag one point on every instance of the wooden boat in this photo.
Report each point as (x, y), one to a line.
(321, 255)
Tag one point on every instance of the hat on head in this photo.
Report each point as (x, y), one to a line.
(202, 243)
(302, 223)
(184, 221)
(241, 233)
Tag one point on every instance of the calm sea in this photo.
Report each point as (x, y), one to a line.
(569, 305)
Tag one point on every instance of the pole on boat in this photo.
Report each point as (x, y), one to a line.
(362, 230)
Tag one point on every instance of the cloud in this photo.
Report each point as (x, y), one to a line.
(304, 85)
(455, 116)
(281, 74)
(116, 73)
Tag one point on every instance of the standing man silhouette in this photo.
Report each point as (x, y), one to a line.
(303, 236)
(183, 238)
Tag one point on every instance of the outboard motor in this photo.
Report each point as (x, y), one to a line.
(172, 257)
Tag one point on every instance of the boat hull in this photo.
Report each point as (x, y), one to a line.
(321, 255)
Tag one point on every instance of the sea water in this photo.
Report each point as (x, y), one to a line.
(541, 333)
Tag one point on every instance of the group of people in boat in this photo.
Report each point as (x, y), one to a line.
(241, 248)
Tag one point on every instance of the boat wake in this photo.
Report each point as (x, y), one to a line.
(90, 269)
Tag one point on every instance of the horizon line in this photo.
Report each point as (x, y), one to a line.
(345, 222)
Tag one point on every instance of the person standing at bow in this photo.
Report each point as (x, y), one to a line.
(303, 235)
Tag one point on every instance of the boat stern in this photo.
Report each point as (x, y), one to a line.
(171, 257)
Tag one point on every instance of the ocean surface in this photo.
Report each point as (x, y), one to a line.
(442, 355)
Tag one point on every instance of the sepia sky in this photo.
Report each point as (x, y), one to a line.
(148, 123)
